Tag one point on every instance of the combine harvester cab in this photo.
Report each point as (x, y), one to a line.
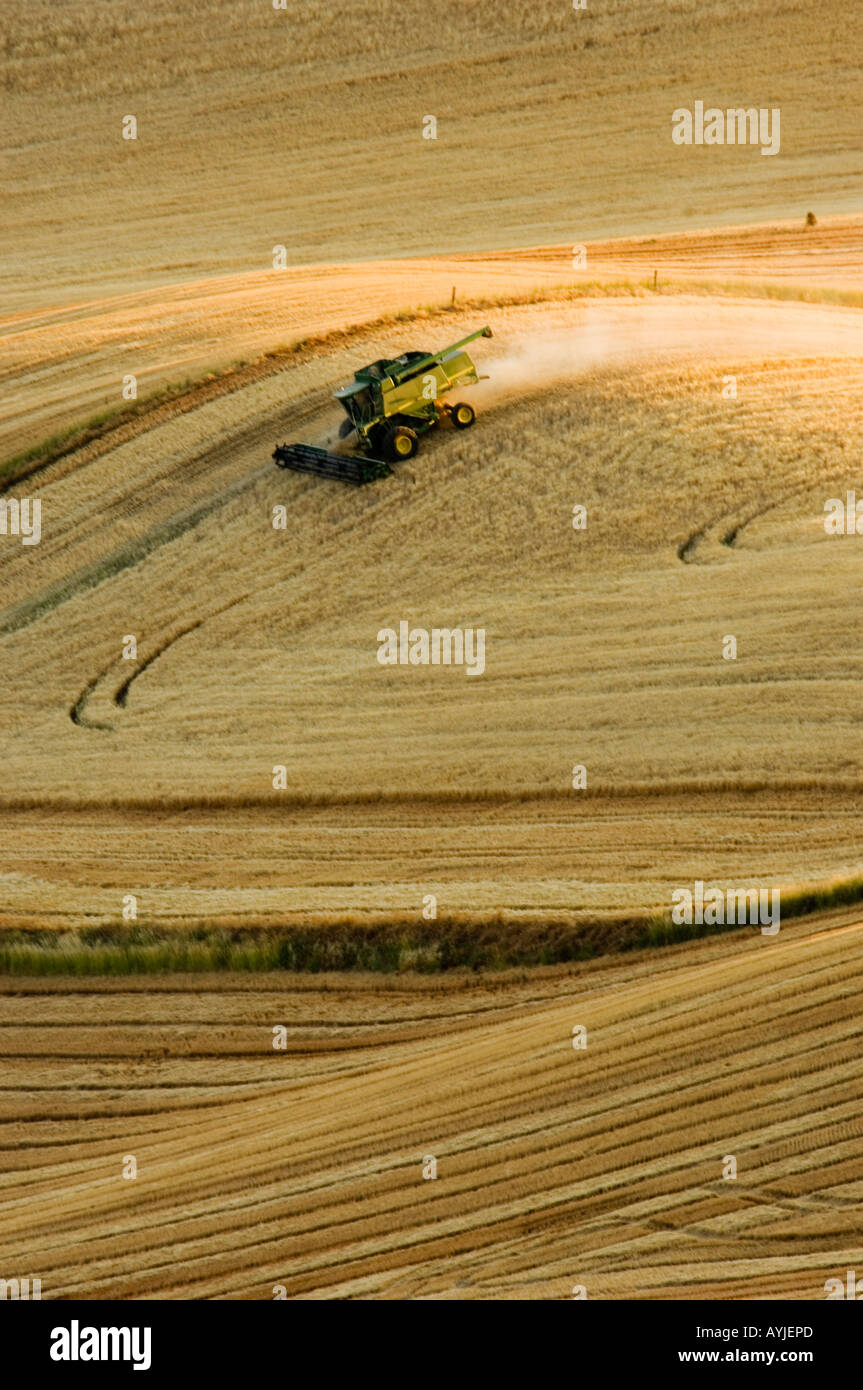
(387, 406)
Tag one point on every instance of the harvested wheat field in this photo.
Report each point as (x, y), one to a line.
(257, 648)
(265, 1171)
(303, 1168)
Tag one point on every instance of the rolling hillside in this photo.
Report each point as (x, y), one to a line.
(299, 1172)
(307, 940)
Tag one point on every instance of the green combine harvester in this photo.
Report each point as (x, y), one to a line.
(388, 405)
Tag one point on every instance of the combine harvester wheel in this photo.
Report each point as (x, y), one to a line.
(400, 442)
(462, 415)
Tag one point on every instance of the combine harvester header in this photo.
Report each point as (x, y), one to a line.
(388, 405)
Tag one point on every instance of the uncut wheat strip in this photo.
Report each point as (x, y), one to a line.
(554, 814)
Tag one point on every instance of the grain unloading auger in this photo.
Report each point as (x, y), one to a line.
(387, 406)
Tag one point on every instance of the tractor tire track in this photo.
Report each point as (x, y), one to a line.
(121, 695)
(732, 529)
(76, 712)
(135, 552)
